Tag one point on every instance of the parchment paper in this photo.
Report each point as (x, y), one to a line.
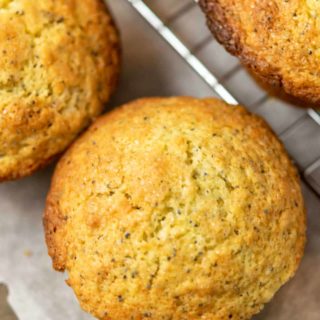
(36, 292)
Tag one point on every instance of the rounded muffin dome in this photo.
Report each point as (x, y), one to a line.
(176, 208)
(59, 62)
(277, 40)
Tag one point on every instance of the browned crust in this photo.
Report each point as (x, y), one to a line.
(267, 75)
(218, 23)
(225, 33)
(28, 170)
(278, 92)
(53, 222)
(117, 47)
(25, 170)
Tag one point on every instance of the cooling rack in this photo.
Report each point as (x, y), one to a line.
(182, 26)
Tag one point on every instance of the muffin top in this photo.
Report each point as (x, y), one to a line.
(176, 208)
(59, 61)
(277, 40)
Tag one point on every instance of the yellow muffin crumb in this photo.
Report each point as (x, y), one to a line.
(176, 209)
(59, 61)
(277, 40)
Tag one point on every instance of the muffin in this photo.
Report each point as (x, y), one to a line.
(59, 63)
(276, 40)
(176, 208)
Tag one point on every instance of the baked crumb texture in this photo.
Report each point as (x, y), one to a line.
(176, 209)
(59, 62)
(277, 40)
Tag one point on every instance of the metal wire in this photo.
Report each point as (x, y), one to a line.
(191, 59)
(208, 77)
(183, 51)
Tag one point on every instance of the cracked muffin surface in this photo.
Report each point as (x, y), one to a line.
(176, 209)
(59, 62)
(277, 40)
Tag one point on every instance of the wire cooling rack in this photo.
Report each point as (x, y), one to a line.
(182, 26)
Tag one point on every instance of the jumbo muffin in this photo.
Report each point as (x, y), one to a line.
(277, 40)
(178, 209)
(59, 61)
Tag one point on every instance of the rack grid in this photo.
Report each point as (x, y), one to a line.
(299, 129)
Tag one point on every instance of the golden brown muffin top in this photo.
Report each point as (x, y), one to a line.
(59, 61)
(278, 40)
(176, 208)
